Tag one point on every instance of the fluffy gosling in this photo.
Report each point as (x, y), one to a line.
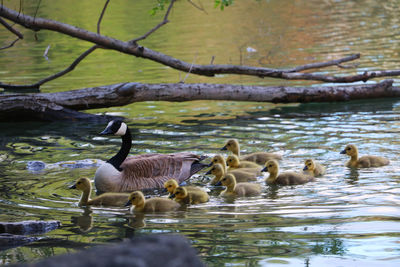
(364, 161)
(285, 178)
(157, 204)
(238, 189)
(106, 199)
(313, 168)
(184, 196)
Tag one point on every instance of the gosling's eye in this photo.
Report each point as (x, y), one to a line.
(133, 198)
(349, 148)
(78, 182)
(309, 164)
(169, 185)
(269, 166)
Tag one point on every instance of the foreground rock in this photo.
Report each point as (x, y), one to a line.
(145, 251)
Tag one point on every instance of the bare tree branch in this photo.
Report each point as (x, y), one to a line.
(54, 76)
(101, 16)
(205, 70)
(11, 29)
(10, 45)
(165, 21)
(201, 8)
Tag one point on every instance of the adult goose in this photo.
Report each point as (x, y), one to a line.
(147, 171)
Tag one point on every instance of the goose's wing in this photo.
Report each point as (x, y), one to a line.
(152, 171)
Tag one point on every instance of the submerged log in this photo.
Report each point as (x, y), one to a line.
(66, 105)
(28, 227)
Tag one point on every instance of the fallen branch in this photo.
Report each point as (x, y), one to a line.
(65, 105)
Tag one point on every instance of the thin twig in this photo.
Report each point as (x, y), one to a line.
(190, 69)
(54, 76)
(10, 45)
(101, 16)
(37, 9)
(319, 65)
(165, 21)
(11, 29)
(201, 8)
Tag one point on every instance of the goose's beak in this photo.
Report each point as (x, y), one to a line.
(72, 186)
(128, 204)
(305, 168)
(265, 169)
(224, 148)
(343, 151)
(171, 196)
(218, 183)
(106, 131)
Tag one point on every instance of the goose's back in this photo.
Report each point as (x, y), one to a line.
(152, 171)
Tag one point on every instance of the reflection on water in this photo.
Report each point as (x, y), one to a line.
(346, 217)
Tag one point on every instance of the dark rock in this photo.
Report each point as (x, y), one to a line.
(28, 227)
(8, 240)
(145, 251)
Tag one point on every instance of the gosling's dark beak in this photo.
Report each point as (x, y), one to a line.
(265, 169)
(218, 183)
(106, 131)
(164, 190)
(128, 204)
(209, 172)
(72, 186)
(224, 148)
(227, 164)
(171, 196)
(343, 151)
(210, 164)
(305, 168)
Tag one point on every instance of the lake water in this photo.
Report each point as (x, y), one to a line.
(346, 218)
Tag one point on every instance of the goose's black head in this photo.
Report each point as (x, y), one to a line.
(115, 127)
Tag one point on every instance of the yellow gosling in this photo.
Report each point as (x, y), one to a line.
(184, 196)
(313, 168)
(364, 161)
(157, 204)
(234, 163)
(285, 178)
(238, 189)
(172, 184)
(218, 159)
(258, 157)
(106, 199)
(241, 175)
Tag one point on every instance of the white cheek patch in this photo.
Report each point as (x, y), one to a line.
(122, 129)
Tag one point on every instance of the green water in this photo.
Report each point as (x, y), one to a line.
(349, 217)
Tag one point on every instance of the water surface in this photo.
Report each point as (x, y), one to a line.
(347, 217)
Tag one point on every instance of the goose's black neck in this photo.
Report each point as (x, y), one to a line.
(123, 152)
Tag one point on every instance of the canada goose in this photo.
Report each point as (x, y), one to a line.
(172, 184)
(147, 171)
(313, 168)
(258, 157)
(238, 189)
(234, 163)
(140, 204)
(106, 199)
(285, 178)
(240, 174)
(364, 161)
(184, 196)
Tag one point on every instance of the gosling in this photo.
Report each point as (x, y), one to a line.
(238, 189)
(219, 159)
(234, 163)
(157, 204)
(106, 199)
(184, 196)
(172, 184)
(258, 157)
(364, 161)
(241, 175)
(313, 168)
(285, 178)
